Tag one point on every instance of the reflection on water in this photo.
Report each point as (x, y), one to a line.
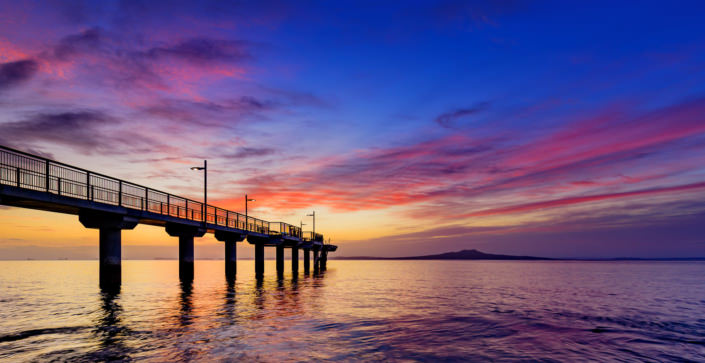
(368, 310)
(185, 304)
(228, 312)
(109, 329)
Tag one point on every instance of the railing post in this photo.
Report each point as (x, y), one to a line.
(88, 186)
(168, 205)
(46, 170)
(161, 207)
(120, 193)
(17, 176)
(58, 186)
(146, 197)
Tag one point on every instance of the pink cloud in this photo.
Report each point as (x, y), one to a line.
(603, 156)
(581, 199)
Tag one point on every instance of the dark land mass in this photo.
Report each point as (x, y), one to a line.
(460, 255)
(477, 255)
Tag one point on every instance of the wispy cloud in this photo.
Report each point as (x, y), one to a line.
(202, 51)
(451, 118)
(83, 130)
(250, 152)
(455, 176)
(222, 113)
(582, 199)
(15, 73)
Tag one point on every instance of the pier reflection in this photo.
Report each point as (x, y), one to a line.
(110, 330)
(186, 303)
(228, 312)
(283, 298)
(202, 310)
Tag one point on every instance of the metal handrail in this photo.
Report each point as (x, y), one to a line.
(310, 236)
(42, 174)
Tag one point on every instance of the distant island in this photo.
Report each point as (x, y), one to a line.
(459, 255)
(478, 255)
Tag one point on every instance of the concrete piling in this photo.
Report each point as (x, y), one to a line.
(259, 259)
(294, 260)
(186, 234)
(230, 241)
(307, 260)
(110, 228)
(280, 259)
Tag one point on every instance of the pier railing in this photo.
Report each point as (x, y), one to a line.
(33, 172)
(310, 236)
(285, 229)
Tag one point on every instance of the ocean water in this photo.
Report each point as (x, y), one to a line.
(357, 310)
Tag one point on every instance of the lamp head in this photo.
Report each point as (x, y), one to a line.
(197, 168)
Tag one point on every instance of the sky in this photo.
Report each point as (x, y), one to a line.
(546, 128)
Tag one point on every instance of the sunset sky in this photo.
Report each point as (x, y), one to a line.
(411, 127)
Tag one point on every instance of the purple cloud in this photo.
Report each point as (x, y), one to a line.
(250, 152)
(84, 130)
(15, 73)
(451, 118)
(201, 51)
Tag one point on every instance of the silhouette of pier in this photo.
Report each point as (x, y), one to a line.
(112, 205)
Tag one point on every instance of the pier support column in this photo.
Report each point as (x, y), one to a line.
(259, 259)
(110, 251)
(307, 260)
(186, 234)
(324, 259)
(230, 241)
(186, 256)
(230, 258)
(295, 260)
(280, 259)
(316, 265)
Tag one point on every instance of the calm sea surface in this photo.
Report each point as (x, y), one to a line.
(357, 310)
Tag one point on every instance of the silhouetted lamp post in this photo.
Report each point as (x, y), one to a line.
(301, 229)
(204, 207)
(313, 214)
(247, 221)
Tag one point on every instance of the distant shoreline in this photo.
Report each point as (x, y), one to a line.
(470, 255)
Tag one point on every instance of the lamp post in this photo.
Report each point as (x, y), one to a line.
(247, 221)
(301, 229)
(313, 214)
(204, 207)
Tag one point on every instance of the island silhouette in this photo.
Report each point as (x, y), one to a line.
(458, 255)
(474, 254)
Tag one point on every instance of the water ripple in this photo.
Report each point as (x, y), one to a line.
(358, 310)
